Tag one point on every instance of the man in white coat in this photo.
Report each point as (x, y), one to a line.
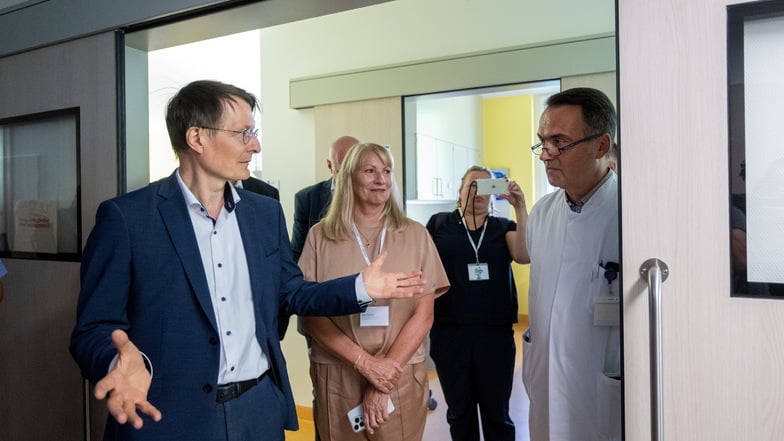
(571, 351)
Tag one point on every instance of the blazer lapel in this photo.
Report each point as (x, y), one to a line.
(178, 223)
(253, 243)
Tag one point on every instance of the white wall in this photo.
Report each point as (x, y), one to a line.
(393, 32)
(456, 119)
(230, 59)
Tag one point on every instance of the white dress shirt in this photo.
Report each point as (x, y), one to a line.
(226, 268)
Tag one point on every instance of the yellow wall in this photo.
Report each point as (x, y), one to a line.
(508, 133)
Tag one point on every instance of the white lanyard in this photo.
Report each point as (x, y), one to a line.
(362, 246)
(476, 246)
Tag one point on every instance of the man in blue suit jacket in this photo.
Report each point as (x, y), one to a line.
(182, 283)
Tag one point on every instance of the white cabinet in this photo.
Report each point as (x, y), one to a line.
(462, 158)
(440, 166)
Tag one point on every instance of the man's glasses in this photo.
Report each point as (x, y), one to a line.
(553, 149)
(247, 134)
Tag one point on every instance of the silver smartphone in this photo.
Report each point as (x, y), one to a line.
(492, 186)
(356, 416)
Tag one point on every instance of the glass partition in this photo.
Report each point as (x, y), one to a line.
(39, 184)
(755, 36)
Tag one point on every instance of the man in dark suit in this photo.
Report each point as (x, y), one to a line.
(311, 203)
(260, 187)
(182, 282)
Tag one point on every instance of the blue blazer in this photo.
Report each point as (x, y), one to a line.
(142, 272)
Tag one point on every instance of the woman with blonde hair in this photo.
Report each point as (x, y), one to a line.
(375, 360)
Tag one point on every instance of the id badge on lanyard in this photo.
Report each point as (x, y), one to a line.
(373, 315)
(479, 270)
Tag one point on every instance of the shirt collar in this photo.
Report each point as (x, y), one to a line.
(230, 195)
(577, 207)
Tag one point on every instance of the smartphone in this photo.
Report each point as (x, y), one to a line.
(492, 186)
(356, 416)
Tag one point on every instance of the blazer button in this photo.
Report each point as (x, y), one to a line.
(213, 341)
(207, 388)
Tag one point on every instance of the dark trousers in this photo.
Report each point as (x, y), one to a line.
(256, 415)
(475, 366)
(259, 414)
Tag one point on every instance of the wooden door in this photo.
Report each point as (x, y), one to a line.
(722, 356)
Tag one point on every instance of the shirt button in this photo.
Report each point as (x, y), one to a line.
(228, 332)
(232, 369)
(223, 299)
(220, 265)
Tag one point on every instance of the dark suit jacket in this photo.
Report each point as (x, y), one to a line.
(142, 272)
(261, 187)
(310, 205)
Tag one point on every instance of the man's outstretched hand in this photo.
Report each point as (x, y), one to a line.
(127, 384)
(381, 285)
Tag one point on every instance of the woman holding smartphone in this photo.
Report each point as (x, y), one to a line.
(472, 338)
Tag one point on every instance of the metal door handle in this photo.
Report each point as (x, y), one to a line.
(655, 272)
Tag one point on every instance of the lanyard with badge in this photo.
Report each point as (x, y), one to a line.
(373, 315)
(477, 271)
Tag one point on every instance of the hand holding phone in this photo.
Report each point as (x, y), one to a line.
(356, 416)
(492, 186)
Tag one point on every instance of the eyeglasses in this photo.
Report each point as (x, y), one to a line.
(247, 134)
(554, 150)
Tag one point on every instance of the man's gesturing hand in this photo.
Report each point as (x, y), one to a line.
(127, 384)
(381, 285)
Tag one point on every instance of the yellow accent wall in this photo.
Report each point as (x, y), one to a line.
(508, 126)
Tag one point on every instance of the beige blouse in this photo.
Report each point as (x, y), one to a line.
(408, 249)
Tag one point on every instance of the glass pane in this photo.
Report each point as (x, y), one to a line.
(755, 37)
(39, 210)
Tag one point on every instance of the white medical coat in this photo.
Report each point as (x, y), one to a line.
(569, 360)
